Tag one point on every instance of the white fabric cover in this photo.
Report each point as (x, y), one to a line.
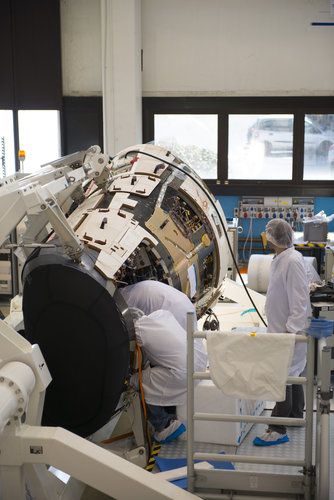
(250, 367)
(311, 271)
(164, 342)
(259, 271)
(288, 304)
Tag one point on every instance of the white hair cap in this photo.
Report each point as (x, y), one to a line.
(279, 232)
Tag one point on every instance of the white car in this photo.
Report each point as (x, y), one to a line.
(275, 133)
(331, 155)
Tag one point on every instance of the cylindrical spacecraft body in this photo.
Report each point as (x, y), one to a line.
(158, 220)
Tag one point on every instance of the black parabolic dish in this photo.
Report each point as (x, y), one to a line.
(80, 330)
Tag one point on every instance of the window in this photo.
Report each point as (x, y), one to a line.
(191, 137)
(236, 144)
(260, 147)
(319, 147)
(7, 160)
(39, 137)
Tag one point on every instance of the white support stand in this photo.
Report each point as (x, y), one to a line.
(25, 448)
(78, 457)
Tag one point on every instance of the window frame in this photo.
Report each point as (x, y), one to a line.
(224, 106)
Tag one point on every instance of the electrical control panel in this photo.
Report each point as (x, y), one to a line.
(272, 207)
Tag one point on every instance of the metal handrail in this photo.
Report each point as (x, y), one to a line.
(307, 422)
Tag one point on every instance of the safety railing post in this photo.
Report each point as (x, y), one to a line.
(190, 402)
(320, 344)
(309, 469)
(325, 394)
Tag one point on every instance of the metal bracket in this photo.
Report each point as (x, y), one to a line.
(325, 395)
(71, 243)
(311, 471)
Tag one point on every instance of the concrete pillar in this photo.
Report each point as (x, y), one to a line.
(121, 73)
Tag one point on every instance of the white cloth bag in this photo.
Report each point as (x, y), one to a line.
(250, 366)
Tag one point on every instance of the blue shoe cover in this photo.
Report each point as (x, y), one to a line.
(180, 430)
(261, 442)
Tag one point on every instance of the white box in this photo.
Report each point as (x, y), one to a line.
(210, 399)
(5, 277)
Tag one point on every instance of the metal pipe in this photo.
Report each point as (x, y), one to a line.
(203, 335)
(190, 402)
(216, 417)
(233, 496)
(14, 266)
(289, 380)
(324, 458)
(249, 459)
(325, 395)
(308, 472)
(239, 496)
(320, 344)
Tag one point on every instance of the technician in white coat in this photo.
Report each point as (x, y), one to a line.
(150, 295)
(288, 310)
(159, 313)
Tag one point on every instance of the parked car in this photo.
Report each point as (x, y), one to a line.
(331, 155)
(276, 134)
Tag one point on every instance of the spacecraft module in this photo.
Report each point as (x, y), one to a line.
(153, 219)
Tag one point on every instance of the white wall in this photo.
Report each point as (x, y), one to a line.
(81, 47)
(237, 47)
(211, 47)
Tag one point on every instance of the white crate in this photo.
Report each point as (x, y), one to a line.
(210, 399)
(5, 277)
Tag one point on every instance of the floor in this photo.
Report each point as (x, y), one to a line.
(292, 449)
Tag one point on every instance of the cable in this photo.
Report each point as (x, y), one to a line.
(251, 240)
(250, 231)
(219, 216)
(117, 438)
(143, 399)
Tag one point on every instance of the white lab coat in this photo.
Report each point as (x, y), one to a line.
(165, 343)
(288, 304)
(149, 296)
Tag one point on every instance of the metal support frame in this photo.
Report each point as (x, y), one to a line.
(83, 460)
(44, 193)
(202, 481)
(324, 394)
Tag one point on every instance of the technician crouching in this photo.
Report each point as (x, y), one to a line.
(159, 312)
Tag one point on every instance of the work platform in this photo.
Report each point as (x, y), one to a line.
(293, 449)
